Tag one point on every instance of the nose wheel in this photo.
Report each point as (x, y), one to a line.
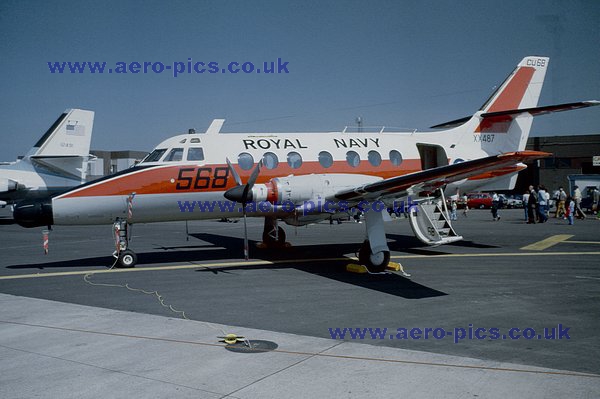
(127, 259)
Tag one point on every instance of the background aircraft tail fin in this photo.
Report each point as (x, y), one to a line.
(64, 148)
(70, 135)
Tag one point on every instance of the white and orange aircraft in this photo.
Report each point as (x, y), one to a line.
(185, 174)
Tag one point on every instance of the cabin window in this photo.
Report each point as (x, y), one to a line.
(395, 158)
(155, 155)
(353, 158)
(294, 160)
(374, 158)
(195, 154)
(270, 160)
(245, 161)
(325, 159)
(176, 154)
(194, 140)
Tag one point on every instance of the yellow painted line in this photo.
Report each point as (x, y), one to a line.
(547, 243)
(170, 267)
(279, 262)
(139, 269)
(583, 242)
(588, 278)
(493, 255)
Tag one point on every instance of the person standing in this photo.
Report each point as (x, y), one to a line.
(466, 208)
(453, 207)
(532, 205)
(525, 203)
(547, 209)
(555, 196)
(577, 197)
(495, 205)
(543, 198)
(596, 202)
(570, 210)
(560, 205)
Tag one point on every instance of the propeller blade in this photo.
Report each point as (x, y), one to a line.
(246, 249)
(243, 194)
(235, 175)
(247, 194)
(254, 174)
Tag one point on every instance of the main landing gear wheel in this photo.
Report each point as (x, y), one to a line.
(269, 238)
(127, 259)
(375, 263)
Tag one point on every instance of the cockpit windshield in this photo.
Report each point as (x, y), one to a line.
(155, 155)
(195, 154)
(176, 154)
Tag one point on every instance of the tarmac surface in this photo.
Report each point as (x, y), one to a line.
(504, 275)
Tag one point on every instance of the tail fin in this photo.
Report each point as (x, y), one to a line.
(503, 123)
(521, 89)
(65, 147)
(70, 135)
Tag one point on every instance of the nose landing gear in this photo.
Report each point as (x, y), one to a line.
(126, 258)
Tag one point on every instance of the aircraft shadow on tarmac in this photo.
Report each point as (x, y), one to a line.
(219, 247)
(323, 266)
(388, 283)
(411, 245)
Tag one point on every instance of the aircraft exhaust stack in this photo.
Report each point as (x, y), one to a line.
(34, 213)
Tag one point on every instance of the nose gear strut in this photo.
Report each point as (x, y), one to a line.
(126, 258)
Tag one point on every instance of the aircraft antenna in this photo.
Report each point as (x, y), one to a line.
(359, 123)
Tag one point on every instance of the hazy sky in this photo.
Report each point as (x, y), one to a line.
(406, 63)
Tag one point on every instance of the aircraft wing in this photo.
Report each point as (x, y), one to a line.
(431, 179)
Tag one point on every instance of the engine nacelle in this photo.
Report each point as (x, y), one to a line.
(297, 189)
(7, 185)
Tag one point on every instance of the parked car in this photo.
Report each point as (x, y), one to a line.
(587, 202)
(513, 201)
(479, 200)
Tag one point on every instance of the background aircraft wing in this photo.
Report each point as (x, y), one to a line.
(431, 179)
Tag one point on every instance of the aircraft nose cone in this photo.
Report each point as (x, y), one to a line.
(33, 213)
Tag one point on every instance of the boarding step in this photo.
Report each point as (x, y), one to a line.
(431, 224)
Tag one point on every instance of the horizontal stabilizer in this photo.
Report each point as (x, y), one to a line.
(69, 166)
(543, 110)
(536, 111)
(451, 124)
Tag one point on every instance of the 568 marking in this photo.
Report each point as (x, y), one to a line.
(201, 178)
